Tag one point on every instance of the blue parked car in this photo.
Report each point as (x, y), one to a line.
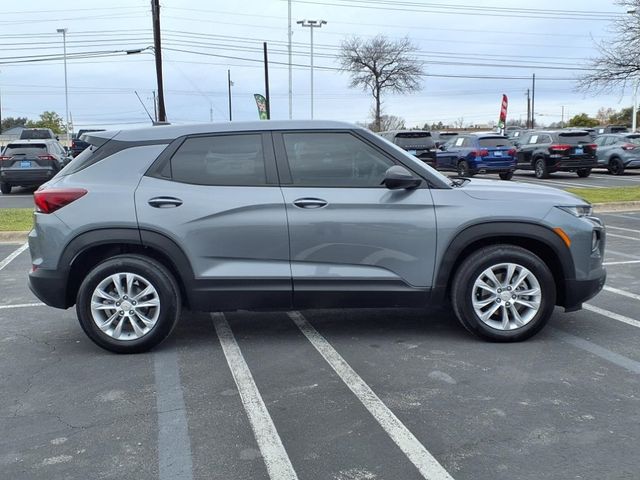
(469, 154)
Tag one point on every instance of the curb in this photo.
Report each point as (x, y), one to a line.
(13, 237)
(616, 207)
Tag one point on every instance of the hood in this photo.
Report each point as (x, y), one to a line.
(501, 190)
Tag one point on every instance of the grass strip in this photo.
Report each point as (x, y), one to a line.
(607, 195)
(16, 219)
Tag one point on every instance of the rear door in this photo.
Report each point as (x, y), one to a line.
(353, 241)
(500, 151)
(526, 149)
(579, 145)
(217, 198)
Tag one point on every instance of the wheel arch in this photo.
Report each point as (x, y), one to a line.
(538, 239)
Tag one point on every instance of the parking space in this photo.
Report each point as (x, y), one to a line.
(344, 395)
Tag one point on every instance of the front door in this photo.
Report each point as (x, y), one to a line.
(353, 241)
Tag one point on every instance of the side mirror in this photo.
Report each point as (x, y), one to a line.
(443, 148)
(398, 178)
(57, 138)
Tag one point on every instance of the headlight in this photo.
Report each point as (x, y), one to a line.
(577, 210)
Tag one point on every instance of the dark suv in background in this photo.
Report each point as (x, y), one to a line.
(471, 153)
(419, 143)
(546, 152)
(78, 144)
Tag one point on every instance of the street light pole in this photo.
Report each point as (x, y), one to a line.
(311, 24)
(634, 120)
(289, 34)
(63, 31)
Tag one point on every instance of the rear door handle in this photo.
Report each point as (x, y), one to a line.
(165, 202)
(310, 203)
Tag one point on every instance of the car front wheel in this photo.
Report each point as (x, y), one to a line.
(128, 304)
(5, 188)
(503, 293)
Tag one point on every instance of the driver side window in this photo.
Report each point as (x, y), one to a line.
(334, 160)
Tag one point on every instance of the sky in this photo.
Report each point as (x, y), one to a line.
(504, 41)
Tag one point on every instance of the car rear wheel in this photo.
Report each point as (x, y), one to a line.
(5, 188)
(506, 175)
(128, 304)
(463, 169)
(584, 172)
(616, 167)
(540, 168)
(503, 293)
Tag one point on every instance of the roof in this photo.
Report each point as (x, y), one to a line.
(169, 132)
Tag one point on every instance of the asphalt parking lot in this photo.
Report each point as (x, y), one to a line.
(23, 197)
(366, 394)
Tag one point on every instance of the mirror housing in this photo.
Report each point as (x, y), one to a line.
(398, 178)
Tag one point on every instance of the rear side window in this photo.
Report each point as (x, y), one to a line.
(220, 160)
(576, 138)
(495, 142)
(30, 149)
(459, 141)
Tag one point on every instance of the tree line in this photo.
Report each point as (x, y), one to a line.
(47, 120)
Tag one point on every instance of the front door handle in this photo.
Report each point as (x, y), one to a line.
(310, 203)
(165, 202)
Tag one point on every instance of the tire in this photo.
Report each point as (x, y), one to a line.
(145, 272)
(5, 188)
(540, 168)
(583, 172)
(616, 167)
(463, 169)
(465, 290)
(506, 175)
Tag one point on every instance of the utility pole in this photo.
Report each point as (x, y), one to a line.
(266, 80)
(562, 117)
(155, 106)
(157, 51)
(533, 102)
(229, 84)
(289, 34)
(211, 112)
(63, 31)
(311, 24)
(528, 124)
(634, 110)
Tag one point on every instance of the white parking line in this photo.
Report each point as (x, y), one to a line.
(273, 452)
(624, 293)
(616, 178)
(622, 228)
(174, 445)
(426, 464)
(611, 315)
(626, 262)
(559, 183)
(615, 235)
(13, 255)
(623, 254)
(599, 351)
(21, 305)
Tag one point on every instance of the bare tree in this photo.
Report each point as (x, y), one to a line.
(379, 65)
(459, 123)
(619, 61)
(387, 122)
(604, 114)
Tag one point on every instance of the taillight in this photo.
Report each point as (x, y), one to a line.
(592, 146)
(46, 157)
(559, 147)
(511, 152)
(4, 157)
(481, 153)
(626, 146)
(48, 201)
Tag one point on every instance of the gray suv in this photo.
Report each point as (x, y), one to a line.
(282, 215)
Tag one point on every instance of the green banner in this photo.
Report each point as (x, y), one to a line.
(261, 102)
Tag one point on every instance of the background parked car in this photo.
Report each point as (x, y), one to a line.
(38, 134)
(611, 129)
(417, 142)
(469, 154)
(546, 152)
(30, 163)
(443, 137)
(78, 144)
(618, 151)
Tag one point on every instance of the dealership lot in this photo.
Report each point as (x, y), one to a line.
(345, 395)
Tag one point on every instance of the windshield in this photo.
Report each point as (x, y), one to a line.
(418, 139)
(495, 142)
(35, 134)
(25, 149)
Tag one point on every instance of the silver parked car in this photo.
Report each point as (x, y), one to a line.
(303, 214)
(618, 151)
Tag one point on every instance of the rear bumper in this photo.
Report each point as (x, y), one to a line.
(50, 286)
(578, 291)
(573, 164)
(27, 176)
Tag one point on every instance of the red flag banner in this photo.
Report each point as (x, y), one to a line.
(503, 111)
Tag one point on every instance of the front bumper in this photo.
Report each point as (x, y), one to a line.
(50, 286)
(578, 291)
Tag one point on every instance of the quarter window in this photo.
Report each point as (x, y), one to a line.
(220, 160)
(333, 160)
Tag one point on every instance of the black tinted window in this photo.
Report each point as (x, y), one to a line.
(30, 149)
(334, 160)
(414, 140)
(495, 142)
(220, 160)
(633, 139)
(35, 134)
(574, 138)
